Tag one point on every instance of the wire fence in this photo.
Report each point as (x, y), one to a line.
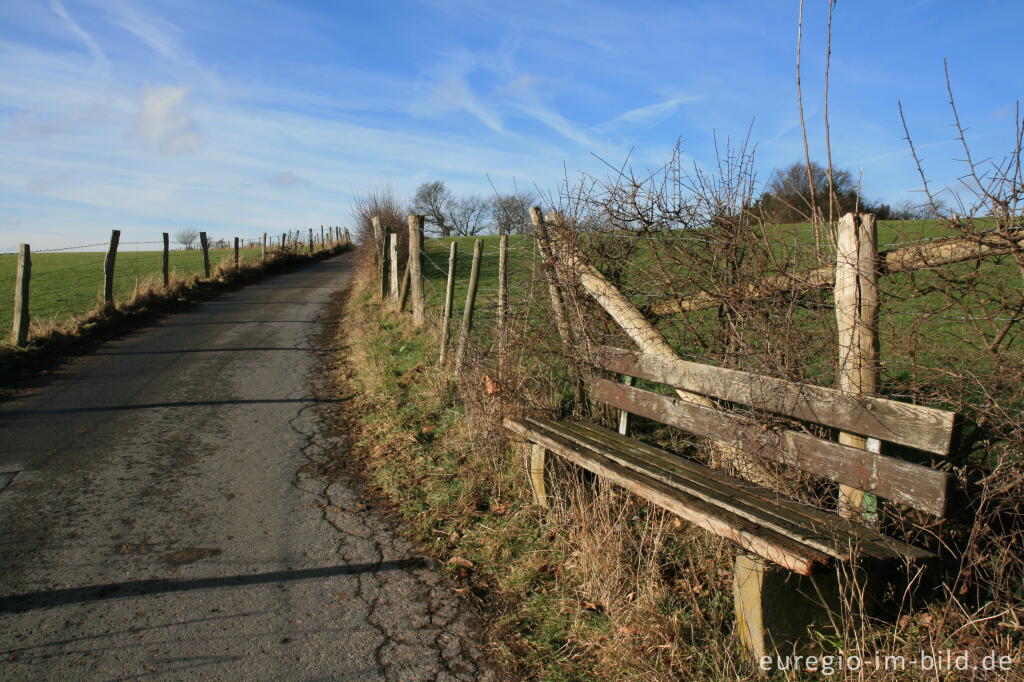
(67, 283)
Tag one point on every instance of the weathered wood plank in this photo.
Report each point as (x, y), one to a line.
(751, 537)
(916, 426)
(918, 486)
(869, 540)
(906, 259)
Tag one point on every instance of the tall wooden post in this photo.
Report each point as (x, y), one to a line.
(502, 330)
(238, 254)
(393, 259)
(263, 248)
(108, 268)
(856, 298)
(321, 236)
(467, 313)
(166, 261)
(284, 240)
(378, 244)
(311, 240)
(547, 263)
(23, 274)
(449, 296)
(416, 270)
(205, 244)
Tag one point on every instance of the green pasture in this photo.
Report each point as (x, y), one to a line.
(65, 284)
(918, 313)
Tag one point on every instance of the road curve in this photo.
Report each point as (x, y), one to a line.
(164, 514)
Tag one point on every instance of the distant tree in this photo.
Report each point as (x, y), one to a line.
(511, 212)
(467, 215)
(186, 237)
(433, 200)
(788, 197)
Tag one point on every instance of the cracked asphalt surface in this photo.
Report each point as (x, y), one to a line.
(165, 513)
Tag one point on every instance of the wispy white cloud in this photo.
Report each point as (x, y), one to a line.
(657, 112)
(94, 49)
(163, 122)
(157, 33)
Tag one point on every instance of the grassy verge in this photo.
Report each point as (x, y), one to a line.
(604, 586)
(55, 337)
(577, 592)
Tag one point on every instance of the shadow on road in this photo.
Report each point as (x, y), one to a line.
(205, 350)
(184, 403)
(20, 603)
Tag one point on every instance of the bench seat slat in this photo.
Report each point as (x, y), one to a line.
(751, 537)
(918, 486)
(916, 426)
(826, 522)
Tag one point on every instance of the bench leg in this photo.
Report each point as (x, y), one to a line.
(775, 608)
(537, 456)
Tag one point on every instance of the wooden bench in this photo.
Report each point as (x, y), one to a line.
(801, 538)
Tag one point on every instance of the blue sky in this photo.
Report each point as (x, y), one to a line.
(244, 117)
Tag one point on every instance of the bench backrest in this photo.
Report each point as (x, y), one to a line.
(915, 426)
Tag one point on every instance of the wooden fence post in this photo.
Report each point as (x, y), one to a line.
(467, 313)
(856, 298)
(23, 275)
(238, 254)
(502, 331)
(205, 244)
(547, 264)
(416, 270)
(378, 244)
(166, 261)
(449, 296)
(311, 240)
(263, 248)
(108, 268)
(393, 258)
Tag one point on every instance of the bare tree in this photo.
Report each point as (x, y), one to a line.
(511, 212)
(186, 237)
(433, 200)
(381, 202)
(466, 215)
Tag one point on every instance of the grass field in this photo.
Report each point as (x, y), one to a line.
(913, 305)
(66, 284)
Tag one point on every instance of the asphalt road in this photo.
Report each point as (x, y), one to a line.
(165, 513)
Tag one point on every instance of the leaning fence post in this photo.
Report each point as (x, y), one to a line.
(856, 298)
(547, 263)
(467, 313)
(19, 326)
(205, 244)
(108, 268)
(416, 269)
(166, 261)
(502, 305)
(449, 295)
(393, 258)
(237, 254)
